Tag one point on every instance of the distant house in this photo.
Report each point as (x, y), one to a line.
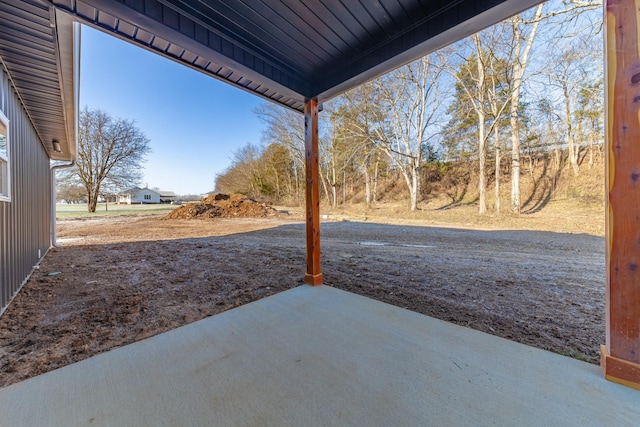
(137, 196)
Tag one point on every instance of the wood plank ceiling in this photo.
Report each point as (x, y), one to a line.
(283, 50)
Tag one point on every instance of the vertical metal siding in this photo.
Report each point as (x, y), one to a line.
(24, 221)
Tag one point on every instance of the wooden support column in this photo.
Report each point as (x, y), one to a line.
(314, 275)
(620, 357)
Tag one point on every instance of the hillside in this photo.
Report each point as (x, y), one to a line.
(559, 201)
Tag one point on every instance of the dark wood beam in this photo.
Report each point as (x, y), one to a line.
(314, 275)
(620, 357)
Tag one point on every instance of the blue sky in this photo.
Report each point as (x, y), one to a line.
(194, 122)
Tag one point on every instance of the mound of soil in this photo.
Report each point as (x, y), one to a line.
(223, 206)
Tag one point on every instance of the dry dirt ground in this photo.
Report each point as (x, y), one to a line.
(121, 279)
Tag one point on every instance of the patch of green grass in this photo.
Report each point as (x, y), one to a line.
(579, 356)
(80, 211)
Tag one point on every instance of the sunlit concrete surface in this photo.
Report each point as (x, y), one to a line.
(321, 357)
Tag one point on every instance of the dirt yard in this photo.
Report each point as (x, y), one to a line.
(117, 280)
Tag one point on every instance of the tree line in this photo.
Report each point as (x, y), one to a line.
(529, 86)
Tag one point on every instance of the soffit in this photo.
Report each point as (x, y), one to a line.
(291, 50)
(39, 60)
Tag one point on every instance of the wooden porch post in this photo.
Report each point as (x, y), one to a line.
(314, 275)
(620, 357)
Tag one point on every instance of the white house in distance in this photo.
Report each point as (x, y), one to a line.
(136, 196)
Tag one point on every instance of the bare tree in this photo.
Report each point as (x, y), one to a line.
(110, 154)
(590, 114)
(480, 84)
(330, 152)
(414, 99)
(71, 193)
(524, 34)
(564, 79)
(285, 127)
(575, 72)
(356, 117)
(243, 174)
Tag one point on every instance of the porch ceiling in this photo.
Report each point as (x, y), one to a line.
(37, 48)
(283, 50)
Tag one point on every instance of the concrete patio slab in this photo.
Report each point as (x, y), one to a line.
(321, 357)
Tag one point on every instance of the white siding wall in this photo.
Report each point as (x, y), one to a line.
(151, 196)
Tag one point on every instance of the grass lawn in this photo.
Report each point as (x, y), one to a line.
(80, 211)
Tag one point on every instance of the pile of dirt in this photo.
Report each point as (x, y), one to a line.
(223, 206)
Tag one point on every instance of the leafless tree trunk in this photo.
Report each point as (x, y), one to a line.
(520, 61)
(367, 187)
(325, 187)
(344, 188)
(571, 140)
(334, 185)
(591, 150)
(375, 182)
(482, 140)
(497, 167)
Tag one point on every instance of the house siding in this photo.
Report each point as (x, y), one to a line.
(25, 220)
(139, 197)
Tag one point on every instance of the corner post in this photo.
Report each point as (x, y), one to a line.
(620, 357)
(312, 190)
